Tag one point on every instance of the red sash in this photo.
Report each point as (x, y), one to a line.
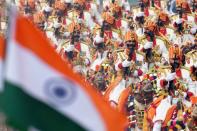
(118, 23)
(179, 73)
(146, 12)
(108, 35)
(185, 16)
(163, 31)
(78, 46)
(64, 22)
(154, 42)
(196, 18)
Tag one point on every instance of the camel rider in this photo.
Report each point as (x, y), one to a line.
(28, 6)
(47, 11)
(175, 58)
(163, 20)
(193, 72)
(39, 19)
(100, 45)
(79, 6)
(140, 20)
(117, 13)
(100, 54)
(138, 101)
(76, 53)
(193, 32)
(150, 31)
(60, 8)
(179, 25)
(77, 11)
(192, 83)
(74, 46)
(163, 108)
(144, 5)
(148, 50)
(80, 12)
(183, 8)
(107, 25)
(131, 43)
(192, 124)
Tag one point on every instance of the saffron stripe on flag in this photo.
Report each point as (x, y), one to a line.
(31, 63)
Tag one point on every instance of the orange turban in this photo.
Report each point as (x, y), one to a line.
(108, 17)
(174, 50)
(59, 5)
(38, 17)
(178, 2)
(185, 6)
(130, 36)
(73, 26)
(163, 16)
(150, 25)
(80, 2)
(31, 3)
(115, 7)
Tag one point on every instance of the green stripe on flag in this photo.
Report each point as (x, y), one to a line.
(23, 111)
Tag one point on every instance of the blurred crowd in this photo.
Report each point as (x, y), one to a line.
(142, 59)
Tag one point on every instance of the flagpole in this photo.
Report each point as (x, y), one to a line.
(8, 4)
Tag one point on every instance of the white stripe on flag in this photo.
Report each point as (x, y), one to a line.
(25, 69)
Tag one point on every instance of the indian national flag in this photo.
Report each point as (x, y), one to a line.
(42, 92)
(2, 48)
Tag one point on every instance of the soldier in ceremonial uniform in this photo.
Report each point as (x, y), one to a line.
(175, 58)
(150, 32)
(117, 13)
(183, 8)
(39, 19)
(162, 22)
(116, 50)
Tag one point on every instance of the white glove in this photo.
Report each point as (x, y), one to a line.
(69, 48)
(126, 63)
